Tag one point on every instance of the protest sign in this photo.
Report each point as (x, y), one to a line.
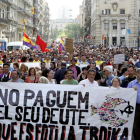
(69, 45)
(59, 112)
(119, 58)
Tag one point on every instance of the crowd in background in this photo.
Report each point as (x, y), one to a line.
(60, 67)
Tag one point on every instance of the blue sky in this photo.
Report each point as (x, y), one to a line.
(54, 4)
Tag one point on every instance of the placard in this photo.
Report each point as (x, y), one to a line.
(119, 58)
(69, 45)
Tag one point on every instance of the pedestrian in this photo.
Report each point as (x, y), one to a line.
(23, 71)
(7, 73)
(136, 85)
(90, 79)
(43, 80)
(116, 82)
(59, 74)
(109, 76)
(15, 77)
(43, 66)
(49, 74)
(70, 80)
(124, 73)
(31, 78)
(131, 76)
(75, 68)
(65, 77)
(83, 74)
(137, 64)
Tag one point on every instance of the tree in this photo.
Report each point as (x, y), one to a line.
(73, 30)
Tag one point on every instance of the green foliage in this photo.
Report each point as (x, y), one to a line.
(74, 31)
(61, 34)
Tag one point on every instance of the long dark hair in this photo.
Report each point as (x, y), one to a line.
(45, 72)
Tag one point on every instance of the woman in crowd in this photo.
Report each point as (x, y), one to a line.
(65, 77)
(119, 71)
(16, 66)
(49, 75)
(58, 66)
(31, 78)
(23, 71)
(116, 82)
(52, 66)
(43, 80)
(38, 74)
(83, 74)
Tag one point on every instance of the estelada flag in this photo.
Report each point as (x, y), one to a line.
(41, 43)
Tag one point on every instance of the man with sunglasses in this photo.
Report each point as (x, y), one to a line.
(109, 76)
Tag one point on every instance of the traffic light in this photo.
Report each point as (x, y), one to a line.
(32, 10)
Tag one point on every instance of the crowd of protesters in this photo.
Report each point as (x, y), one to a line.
(98, 69)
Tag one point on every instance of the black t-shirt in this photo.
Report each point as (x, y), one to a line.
(97, 76)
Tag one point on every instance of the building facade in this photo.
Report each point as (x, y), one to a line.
(65, 12)
(41, 20)
(115, 22)
(15, 16)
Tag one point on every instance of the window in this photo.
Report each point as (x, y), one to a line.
(106, 26)
(139, 12)
(3, 14)
(106, 12)
(122, 26)
(122, 11)
(0, 13)
(114, 26)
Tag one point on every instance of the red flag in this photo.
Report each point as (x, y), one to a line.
(41, 43)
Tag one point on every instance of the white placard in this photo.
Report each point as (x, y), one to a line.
(119, 58)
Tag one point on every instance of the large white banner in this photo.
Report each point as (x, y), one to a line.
(62, 112)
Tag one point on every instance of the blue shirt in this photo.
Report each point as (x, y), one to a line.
(109, 79)
(137, 64)
(11, 69)
(136, 84)
(122, 77)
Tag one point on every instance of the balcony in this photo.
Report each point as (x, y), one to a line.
(19, 8)
(10, 2)
(3, 2)
(20, 26)
(10, 18)
(3, 21)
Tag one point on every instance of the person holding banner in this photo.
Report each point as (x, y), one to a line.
(90, 79)
(116, 82)
(136, 85)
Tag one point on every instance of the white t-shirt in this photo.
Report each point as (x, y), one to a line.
(88, 83)
(53, 82)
